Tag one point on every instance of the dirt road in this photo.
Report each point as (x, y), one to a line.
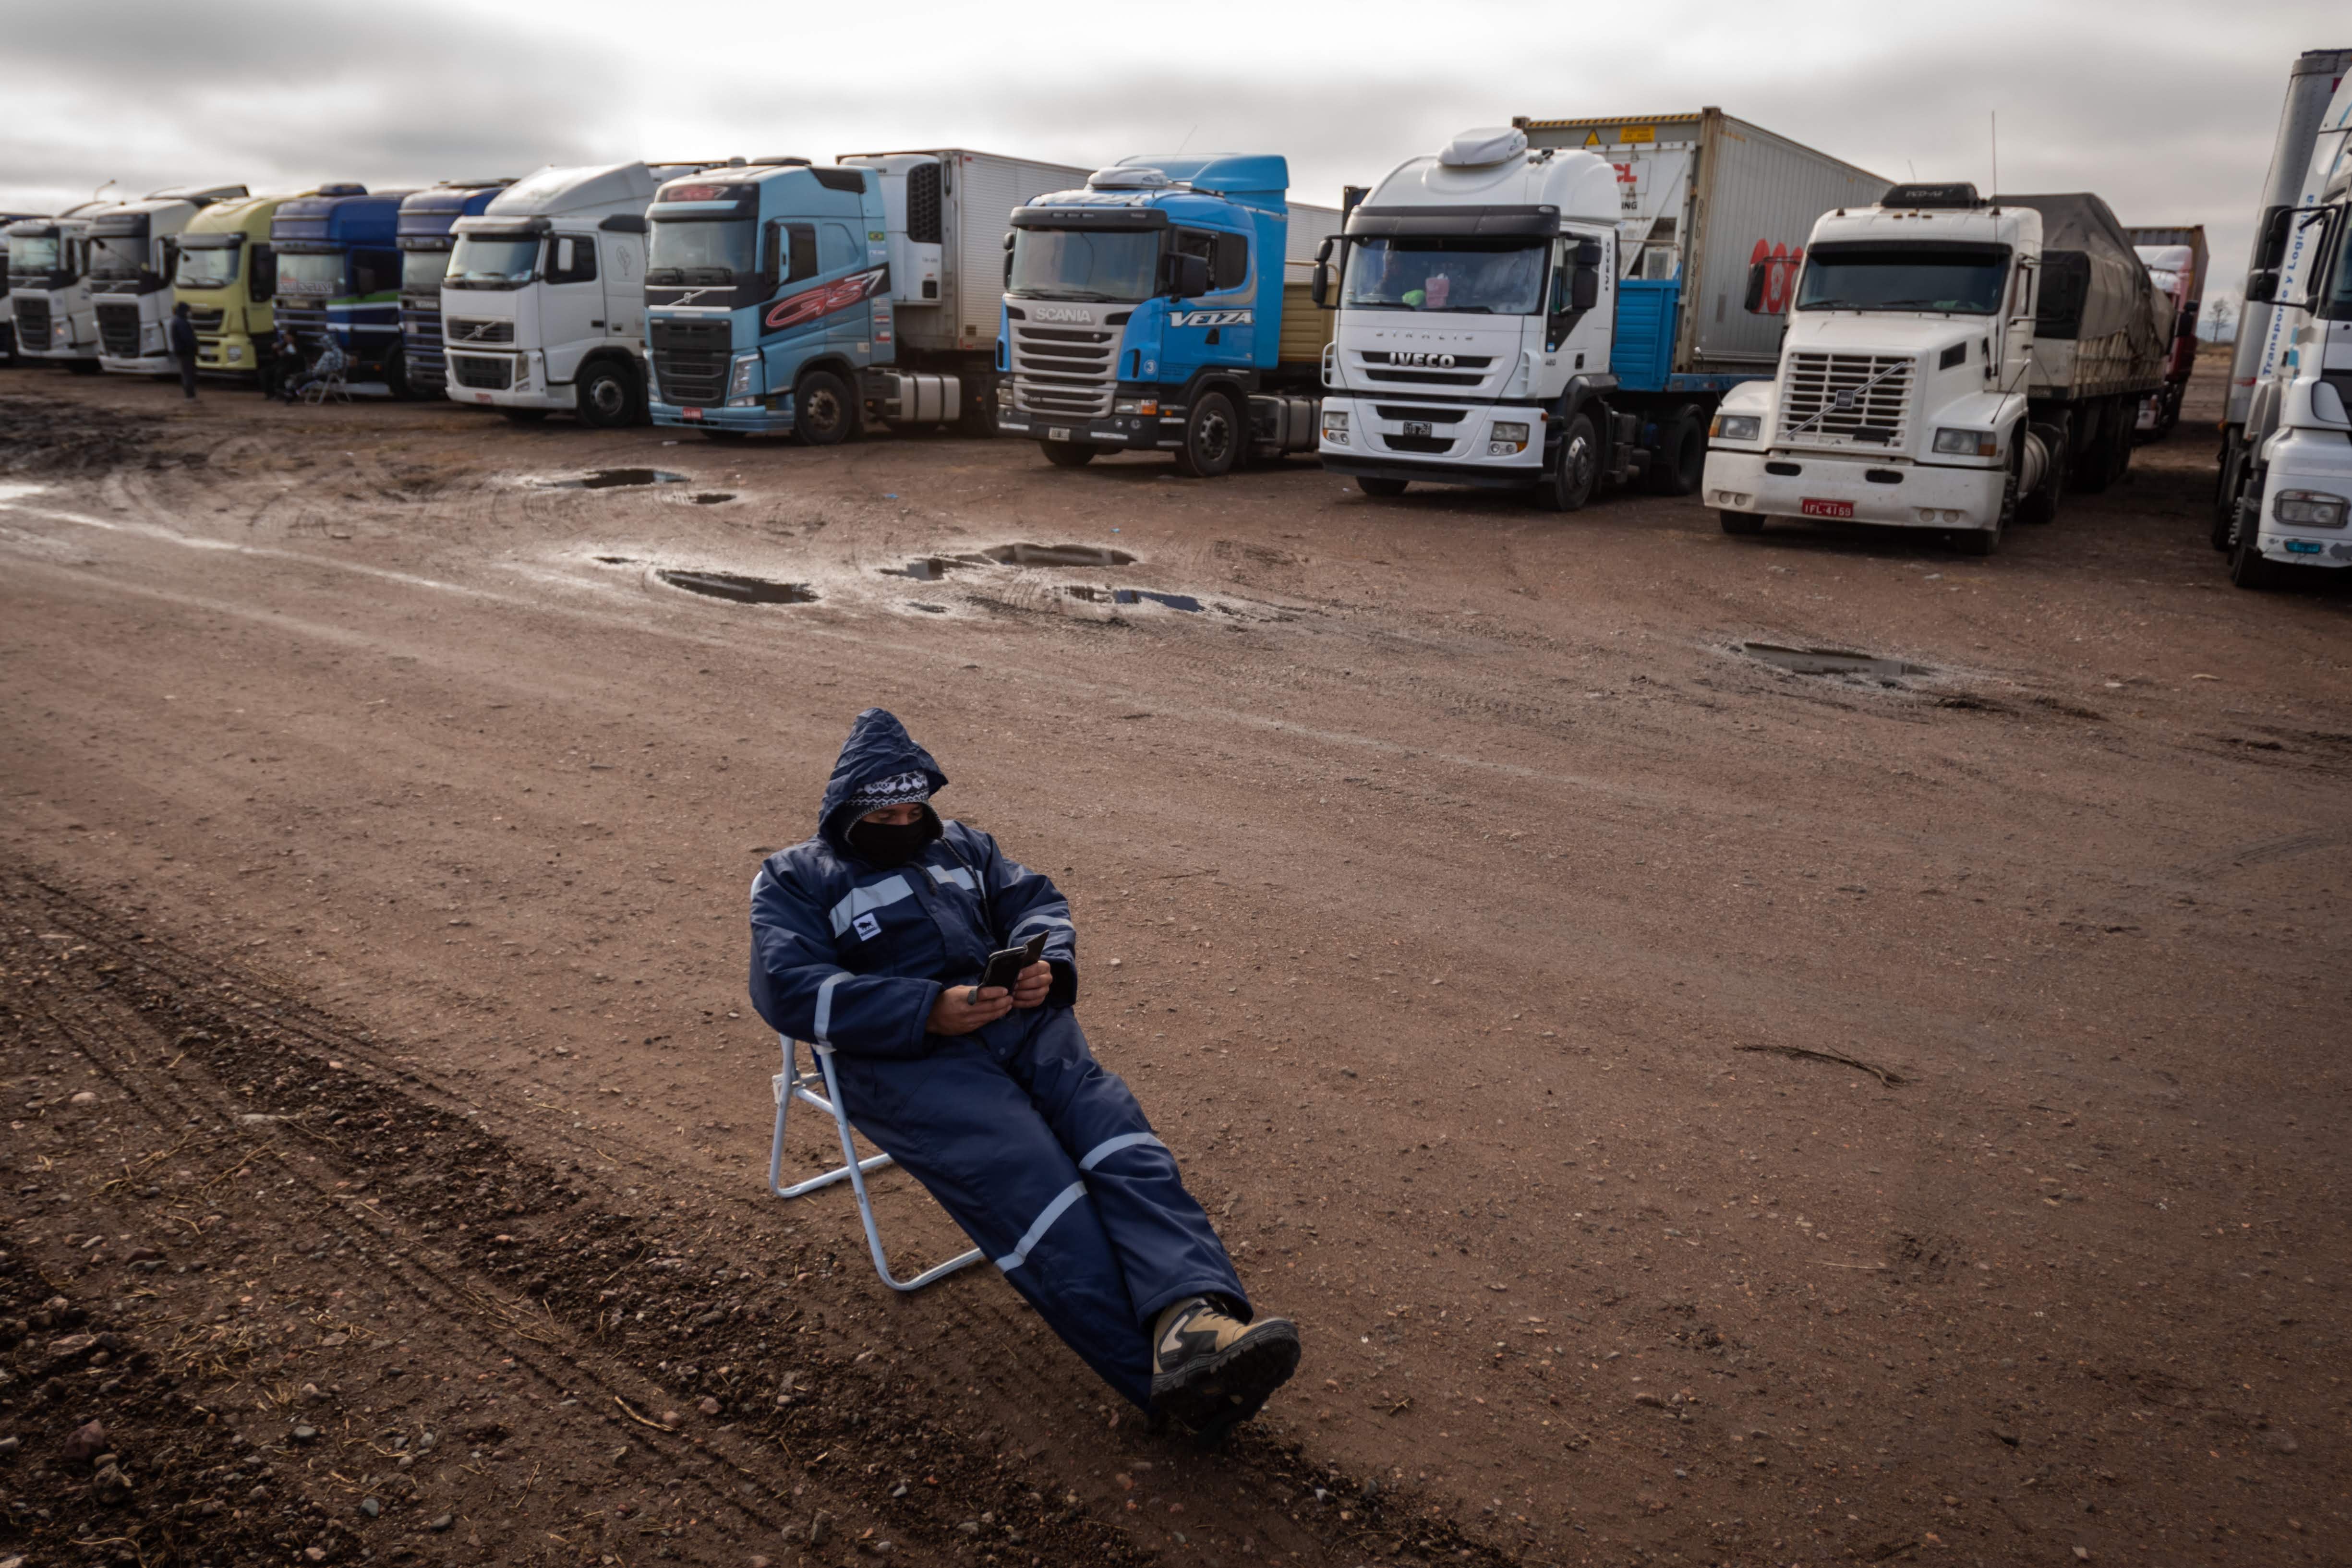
(1699, 1111)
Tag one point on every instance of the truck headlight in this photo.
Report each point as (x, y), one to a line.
(1735, 427)
(235, 353)
(1335, 425)
(1967, 444)
(1136, 405)
(738, 381)
(1507, 438)
(2310, 508)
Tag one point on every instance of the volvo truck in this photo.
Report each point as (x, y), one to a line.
(1951, 364)
(1552, 306)
(1155, 309)
(785, 298)
(338, 277)
(134, 253)
(544, 306)
(2292, 456)
(2176, 261)
(425, 237)
(227, 278)
(48, 289)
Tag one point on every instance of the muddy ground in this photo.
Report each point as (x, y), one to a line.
(1699, 1111)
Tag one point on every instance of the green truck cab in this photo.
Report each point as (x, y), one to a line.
(227, 278)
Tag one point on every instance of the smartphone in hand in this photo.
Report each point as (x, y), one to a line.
(1004, 965)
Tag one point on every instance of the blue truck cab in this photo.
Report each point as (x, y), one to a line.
(339, 275)
(424, 234)
(1147, 312)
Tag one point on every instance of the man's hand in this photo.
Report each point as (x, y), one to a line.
(961, 1009)
(1029, 987)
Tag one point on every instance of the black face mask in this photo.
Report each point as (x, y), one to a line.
(892, 844)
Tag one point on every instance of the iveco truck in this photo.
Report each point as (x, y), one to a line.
(1551, 306)
(49, 288)
(227, 278)
(784, 298)
(425, 237)
(1154, 310)
(339, 276)
(2291, 456)
(134, 251)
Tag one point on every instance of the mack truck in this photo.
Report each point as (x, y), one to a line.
(2290, 461)
(227, 278)
(2176, 260)
(423, 234)
(8, 311)
(1155, 309)
(543, 306)
(1550, 306)
(49, 288)
(1952, 363)
(339, 276)
(782, 297)
(134, 252)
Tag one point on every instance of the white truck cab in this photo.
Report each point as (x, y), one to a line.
(134, 253)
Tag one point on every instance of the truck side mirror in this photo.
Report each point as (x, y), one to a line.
(1588, 253)
(1187, 276)
(1760, 278)
(771, 256)
(1008, 237)
(2261, 286)
(2277, 224)
(1319, 290)
(1583, 288)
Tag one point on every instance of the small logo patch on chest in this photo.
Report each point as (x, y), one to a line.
(866, 927)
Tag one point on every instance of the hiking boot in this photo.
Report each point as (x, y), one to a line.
(1211, 1371)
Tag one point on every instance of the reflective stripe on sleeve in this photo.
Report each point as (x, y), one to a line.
(881, 895)
(1041, 920)
(1054, 1211)
(823, 1028)
(944, 875)
(1109, 1146)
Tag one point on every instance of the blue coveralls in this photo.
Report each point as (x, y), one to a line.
(1044, 1158)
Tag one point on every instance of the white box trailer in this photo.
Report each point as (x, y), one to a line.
(2309, 86)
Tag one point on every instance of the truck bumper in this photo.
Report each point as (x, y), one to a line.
(147, 364)
(1459, 453)
(227, 354)
(1111, 433)
(761, 420)
(557, 399)
(1910, 495)
(2299, 460)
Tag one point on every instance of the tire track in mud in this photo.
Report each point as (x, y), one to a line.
(285, 1124)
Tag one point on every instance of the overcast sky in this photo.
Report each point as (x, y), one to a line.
(2164, 107)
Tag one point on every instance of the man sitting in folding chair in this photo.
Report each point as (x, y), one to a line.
(865, 940)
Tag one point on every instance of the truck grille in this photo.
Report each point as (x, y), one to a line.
(420, 341)
(1837, 400)
(483, 371)
(473, 329)
(1064, 370)
(307, 322)
(1422, 370)
(118, 328)
(203, 321)
(691, 361)
(33, 324)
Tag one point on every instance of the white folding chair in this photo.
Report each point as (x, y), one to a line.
(794, 1083)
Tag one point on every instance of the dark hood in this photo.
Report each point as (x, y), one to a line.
(878, 748)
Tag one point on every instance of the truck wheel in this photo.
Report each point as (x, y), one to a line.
(606, 396)
(1976, 541)
(1680, 460)
(2248, 567)
(823, 414)
(1741, 522)
(1212, 438)
(2041, 506)
(1386, 490)
(1567, 482)
(1067, 454)
(979, 414)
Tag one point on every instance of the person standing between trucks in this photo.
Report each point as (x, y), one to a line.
(865, 939)
(182, 334)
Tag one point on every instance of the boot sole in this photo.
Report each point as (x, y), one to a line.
(1213, 1396)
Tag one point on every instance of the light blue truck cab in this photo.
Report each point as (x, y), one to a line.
(1147, 312)
(426, 234)
(339, 275)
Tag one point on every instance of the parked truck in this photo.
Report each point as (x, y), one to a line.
(1553, 305)
(134, 252)
(424, 233)
(2176, 261)
(782, 297)
(2292, 455)
(1155, 309)
(49, 288)
(338, 277)
(227, 278)
(8, 311)
(1951, 364)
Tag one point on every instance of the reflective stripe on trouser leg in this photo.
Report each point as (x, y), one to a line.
(1030, 1238)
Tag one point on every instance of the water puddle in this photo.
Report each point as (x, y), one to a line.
(1830, 661)
(927, 610)
(711, 498)
(1058, 555)
(934, 568)
(1185, 602)
(616, 559)
(737, 588)
(611, 479)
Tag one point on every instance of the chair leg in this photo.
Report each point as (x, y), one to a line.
(856, 1171)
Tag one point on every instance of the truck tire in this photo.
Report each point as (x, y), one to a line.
(606, 396)
(1384, 489)
(2229, 488)
(2248, 566)
(1680, 460)
(1741, 524)
(1976, 541)
(1067, 454)
(823, 414)
(2041, 506)
(1570, 480)
(1212, 438)
(978, 417)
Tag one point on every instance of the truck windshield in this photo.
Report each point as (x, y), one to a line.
(1964, 278)
(493, 261)
(310, 272)
(32, 255)
(116, 258)
(1485, 277)
(212, 268)
(701, 250)
(421, 271)
(1076, 264)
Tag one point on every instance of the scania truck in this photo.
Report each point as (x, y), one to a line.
(544, 306)
(49, 288)
(2291, 456)
(1552, 305)
(785, 298)
(425, 237)
(339, 275)
(1951, 363)
(227, 278)
(1153, 310)
(134, 252)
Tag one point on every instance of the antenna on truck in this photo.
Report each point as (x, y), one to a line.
(1996, 150)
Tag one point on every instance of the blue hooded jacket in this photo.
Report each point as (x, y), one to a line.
(853, 955)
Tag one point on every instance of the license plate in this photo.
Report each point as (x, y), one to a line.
(690, 413)
(1416, 427)
(1058, 433)
(1828, 508)
(481, 397)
